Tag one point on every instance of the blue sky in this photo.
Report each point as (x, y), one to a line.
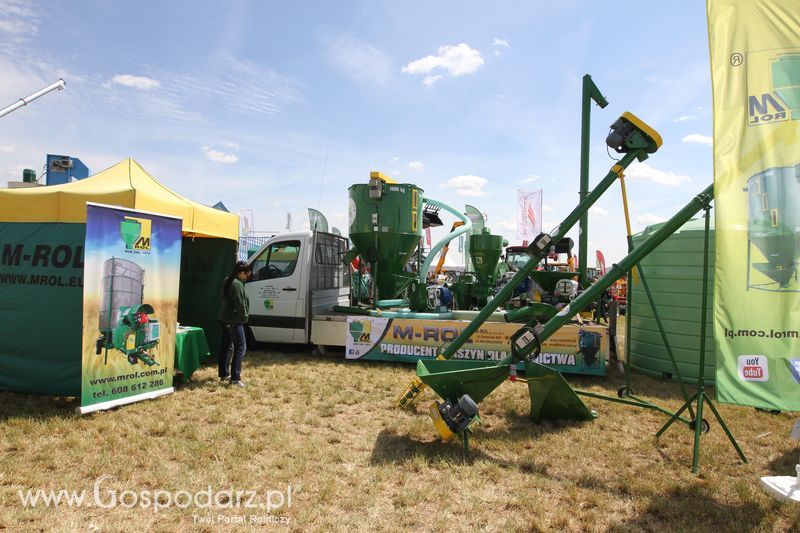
(275, 107)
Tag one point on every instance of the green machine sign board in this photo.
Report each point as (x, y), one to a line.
(756, 77)
(130, 306)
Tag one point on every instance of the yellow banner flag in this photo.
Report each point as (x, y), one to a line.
(755, 63)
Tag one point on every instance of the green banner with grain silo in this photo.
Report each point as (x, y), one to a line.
(130, 306)
(755, 61)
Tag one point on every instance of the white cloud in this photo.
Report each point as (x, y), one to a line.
(684, 118)
(699, 139)
(16, 26)
(137, 82)
(546, 208)
(498, 43)
(506, 224)
(6, 149)
(416, 166)
(395, 159)
(598, 211)
(220, 156)
(530, 179)
(455, 60)
(358, 60)
(649, 218)
(226, 84)
(18, 19)
(244, 86)
(467, 185)
(646, 172)
(548, 227)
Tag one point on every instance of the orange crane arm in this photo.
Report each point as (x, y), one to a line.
(443, 254)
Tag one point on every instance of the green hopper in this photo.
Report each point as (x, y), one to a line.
(551, 396)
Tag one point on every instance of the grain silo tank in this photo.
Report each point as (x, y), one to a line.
(674, 272)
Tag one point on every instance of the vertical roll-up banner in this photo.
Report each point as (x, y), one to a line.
(755, 64)
(130, 306)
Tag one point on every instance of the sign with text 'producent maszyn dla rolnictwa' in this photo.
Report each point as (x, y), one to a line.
(573, 349)
(130, 306)
(755, 60)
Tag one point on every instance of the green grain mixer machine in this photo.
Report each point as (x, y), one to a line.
(385, 228)
(126, 324)
(473, 289)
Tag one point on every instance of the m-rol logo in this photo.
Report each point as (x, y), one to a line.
(753, 368)
(780, 100)
(136, 232)
(765, 108)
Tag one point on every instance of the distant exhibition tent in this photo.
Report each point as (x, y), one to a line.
(41, 281)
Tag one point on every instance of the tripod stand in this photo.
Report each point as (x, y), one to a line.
(701, 396)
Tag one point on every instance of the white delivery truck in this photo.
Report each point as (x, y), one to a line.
(297, 279)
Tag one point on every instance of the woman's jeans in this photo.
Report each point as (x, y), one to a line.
(233, 345)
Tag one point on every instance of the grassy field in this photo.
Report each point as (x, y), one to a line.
(327, 429)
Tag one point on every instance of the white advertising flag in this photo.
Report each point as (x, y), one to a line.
(529, 224)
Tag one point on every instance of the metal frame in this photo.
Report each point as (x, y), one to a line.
(701, 396)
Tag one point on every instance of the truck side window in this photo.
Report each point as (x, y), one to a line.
(277, 261)
(259, 265)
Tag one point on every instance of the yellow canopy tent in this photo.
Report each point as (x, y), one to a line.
(126, 184)
(40, 323)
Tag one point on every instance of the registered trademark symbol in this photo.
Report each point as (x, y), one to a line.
(737, 59)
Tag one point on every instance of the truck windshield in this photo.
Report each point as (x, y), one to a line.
(516, 260)
(276, 261)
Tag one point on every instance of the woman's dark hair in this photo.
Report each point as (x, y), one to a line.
(240, 266)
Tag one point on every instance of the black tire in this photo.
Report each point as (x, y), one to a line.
(624, 392)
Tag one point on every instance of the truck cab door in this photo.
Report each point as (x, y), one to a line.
(277, 301)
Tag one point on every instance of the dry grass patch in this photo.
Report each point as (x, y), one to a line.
(327, 428)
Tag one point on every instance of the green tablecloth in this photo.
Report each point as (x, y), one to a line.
(190, 347)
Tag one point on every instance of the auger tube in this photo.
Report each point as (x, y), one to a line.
(558, 233)
(423, 271)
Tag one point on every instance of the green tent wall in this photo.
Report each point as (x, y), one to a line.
(204, 265)
(41, 307)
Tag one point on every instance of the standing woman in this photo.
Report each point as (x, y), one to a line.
(232, 315)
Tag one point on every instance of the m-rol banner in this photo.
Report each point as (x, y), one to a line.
(755, 66)
(130, 306)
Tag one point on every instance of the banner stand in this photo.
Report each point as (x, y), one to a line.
(701, 395)
(124, 401)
